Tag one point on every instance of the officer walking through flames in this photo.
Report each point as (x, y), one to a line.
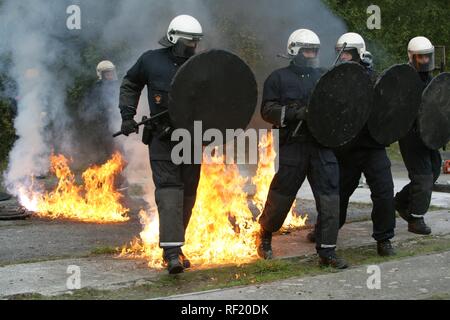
(423, 164)
(286, 95)
(365, 155)
(176, 185)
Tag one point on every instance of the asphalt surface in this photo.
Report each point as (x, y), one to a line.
(421, 277)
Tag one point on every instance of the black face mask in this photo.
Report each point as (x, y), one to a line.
(182, 50)
(301, 61)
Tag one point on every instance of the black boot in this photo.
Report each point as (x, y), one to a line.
(418, 226)
(185, 261)
(333, 261)
(385, 248)
(264, 245)
(173, 260)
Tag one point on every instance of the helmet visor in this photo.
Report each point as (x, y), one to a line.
(348, 54)
(188, 36)
(424, 62)
(307, 57)
(109, 75)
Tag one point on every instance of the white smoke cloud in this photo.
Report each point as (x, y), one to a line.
(34, 34)
(34, 51)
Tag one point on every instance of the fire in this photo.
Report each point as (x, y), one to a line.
(222, 229)
(95, 201)
(263, 179)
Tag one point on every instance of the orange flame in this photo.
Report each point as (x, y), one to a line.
(222, 229)
(263, 179)
(95, 201)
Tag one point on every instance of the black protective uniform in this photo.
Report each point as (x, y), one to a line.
(424, 168)
(301, 157)
(95, 123)
(176, 185)
(365, 155)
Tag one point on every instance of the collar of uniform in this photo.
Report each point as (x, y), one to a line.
(301, 70)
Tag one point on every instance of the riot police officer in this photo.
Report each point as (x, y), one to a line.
(96, 116)
(176, 185)
(286, 95)
(423, 164)
(365, 155)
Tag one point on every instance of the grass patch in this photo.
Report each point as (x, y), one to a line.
(27, 296)
(104, 251)
(252, 274)
(440, 296)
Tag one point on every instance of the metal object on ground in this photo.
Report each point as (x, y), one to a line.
(446, 167)
(12, 211)
(4, 196)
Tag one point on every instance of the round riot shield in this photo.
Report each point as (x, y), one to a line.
(397, 99)
(340, 105)
(216, 90)
(434, 114)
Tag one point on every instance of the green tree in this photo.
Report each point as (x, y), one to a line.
(402, 20)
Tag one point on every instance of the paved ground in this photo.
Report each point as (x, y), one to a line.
(35, 254)
(416, 278)
(37, 239)
(50, 277)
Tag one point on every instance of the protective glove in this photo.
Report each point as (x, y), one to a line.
(295, 113)
(129, 126)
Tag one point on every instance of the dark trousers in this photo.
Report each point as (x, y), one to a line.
(424, 168)
(299, 161)
(175, 194)
(376, 166)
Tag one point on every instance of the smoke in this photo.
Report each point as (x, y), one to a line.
(46, 58)
(37, 55)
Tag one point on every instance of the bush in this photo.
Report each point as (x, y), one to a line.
(7, 133)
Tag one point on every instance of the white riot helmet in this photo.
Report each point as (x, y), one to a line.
(355, 45)
(304, 39)
(106, 66)
(421, 54)
(182, 27)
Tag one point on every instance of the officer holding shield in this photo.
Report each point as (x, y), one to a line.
(285, 98)
(365, 155)
(176, 185)
(423, 163)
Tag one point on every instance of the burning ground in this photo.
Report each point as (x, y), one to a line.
(222, 229)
